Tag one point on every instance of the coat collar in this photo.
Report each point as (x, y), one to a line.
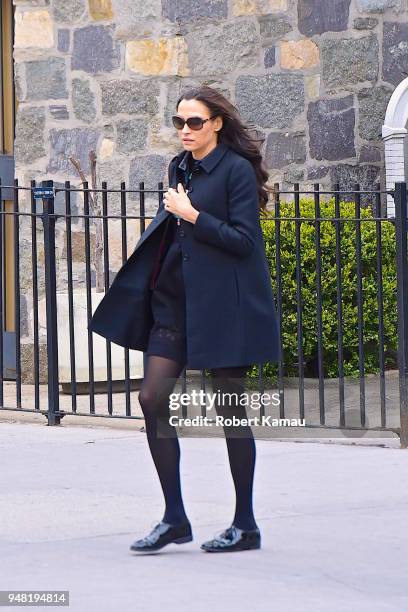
(208, 162)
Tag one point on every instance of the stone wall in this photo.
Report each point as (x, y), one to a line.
(313, 76)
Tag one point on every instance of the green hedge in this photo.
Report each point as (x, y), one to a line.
(329, 295)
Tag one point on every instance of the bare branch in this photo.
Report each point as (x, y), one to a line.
(93, 200)
(77, 164)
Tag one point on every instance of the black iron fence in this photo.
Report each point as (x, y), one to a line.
(323, 267)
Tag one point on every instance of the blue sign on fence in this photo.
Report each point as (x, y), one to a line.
(43, 193)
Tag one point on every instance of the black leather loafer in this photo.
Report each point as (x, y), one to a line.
(234, 539)
(163, 534)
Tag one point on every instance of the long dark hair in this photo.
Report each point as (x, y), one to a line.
(234, 133)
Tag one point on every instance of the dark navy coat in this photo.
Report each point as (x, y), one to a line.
(230, 310)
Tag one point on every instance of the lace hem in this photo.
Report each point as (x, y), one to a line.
(172, 334)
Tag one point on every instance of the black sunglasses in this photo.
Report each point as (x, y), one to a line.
(194, 123)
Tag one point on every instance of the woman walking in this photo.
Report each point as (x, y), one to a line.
(196, 293)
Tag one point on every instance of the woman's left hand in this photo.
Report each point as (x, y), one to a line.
(178, 203)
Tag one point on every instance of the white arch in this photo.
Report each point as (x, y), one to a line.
(394, 133)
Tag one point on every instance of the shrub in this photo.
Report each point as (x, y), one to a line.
(308, 274)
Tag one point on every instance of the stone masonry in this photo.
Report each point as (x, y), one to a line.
(312, 76)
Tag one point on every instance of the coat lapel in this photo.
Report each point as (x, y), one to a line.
(158, 219)
(176, 176)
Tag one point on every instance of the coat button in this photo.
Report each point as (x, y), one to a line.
(181, 232)
(185, 257)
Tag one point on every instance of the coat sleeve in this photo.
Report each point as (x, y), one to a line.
(239, 235)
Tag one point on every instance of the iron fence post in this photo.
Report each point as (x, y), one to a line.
(401, 223)
(48, 220)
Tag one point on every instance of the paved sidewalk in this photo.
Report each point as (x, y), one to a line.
(333, 519)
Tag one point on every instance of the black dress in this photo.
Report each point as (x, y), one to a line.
(168, 301)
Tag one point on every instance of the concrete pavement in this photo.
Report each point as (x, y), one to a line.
(333, 519)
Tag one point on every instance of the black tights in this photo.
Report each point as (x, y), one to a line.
(159, 381)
